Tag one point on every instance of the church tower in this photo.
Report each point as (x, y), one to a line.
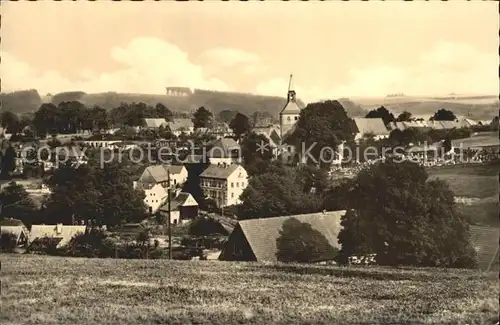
(289, 115)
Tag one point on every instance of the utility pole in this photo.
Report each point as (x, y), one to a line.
(169, 218)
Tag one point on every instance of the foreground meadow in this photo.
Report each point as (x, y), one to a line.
(53, 290)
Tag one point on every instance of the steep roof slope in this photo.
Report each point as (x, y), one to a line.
(262, 234)
(371, 125)
(219, 172)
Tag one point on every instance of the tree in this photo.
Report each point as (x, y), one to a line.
(192, 185)
(10, 122)
(8, 160)
(403, 218)
(15, 202)
(88, 192)
(98, 118)
(71, 117)
(322, 125)
(277, 192)
(262, 118)
(240, 125)
(256, 152)
(202, 118)
(163, 112)
(404, 117)
(227, 115)
(443, 115)
(206, 227)
(382, 113)
(299, 242)
(46, 119)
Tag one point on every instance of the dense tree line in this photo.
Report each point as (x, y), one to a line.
(69, 117)
(279, 190)
(398, 214)
(393, 211)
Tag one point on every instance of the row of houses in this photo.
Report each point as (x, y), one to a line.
(223, 180)
(186, 126)
(62, 234)
(255, 239)
(436, 125)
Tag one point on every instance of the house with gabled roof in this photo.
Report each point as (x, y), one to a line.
(181, 125)
(448, 125)
(155, 197)
(435, 125)
(271, 132)
(255, 239)
(15, 227)
(158, 174)
(396, 126)
(224, 183)
(370, 126)
(224, 150)
(62, 233)
(155, 123)
(183, 208)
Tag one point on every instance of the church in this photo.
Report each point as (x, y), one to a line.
(289, 115)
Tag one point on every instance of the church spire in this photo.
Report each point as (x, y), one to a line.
(291, 91)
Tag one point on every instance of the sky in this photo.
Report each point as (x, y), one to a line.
(334, 49)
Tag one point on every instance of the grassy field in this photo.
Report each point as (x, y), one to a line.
(477, 189)
(52, 290)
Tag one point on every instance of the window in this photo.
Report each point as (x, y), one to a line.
(296, 118)
(243, 184)
(232, 185)
(288, 118)
(238, 184)
(232, 195)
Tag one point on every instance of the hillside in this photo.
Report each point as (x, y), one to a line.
(52, 290)
(23, 101)
(477, 107)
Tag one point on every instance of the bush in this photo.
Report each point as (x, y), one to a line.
(206, 226)
(93, 243)
(45, 245)
(8, 242)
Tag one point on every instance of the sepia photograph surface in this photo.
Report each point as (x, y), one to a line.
(259, 162)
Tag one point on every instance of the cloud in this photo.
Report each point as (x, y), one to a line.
(447, 67)
(219, 58)
(150, 65)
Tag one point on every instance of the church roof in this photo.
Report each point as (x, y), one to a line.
(291, 107)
